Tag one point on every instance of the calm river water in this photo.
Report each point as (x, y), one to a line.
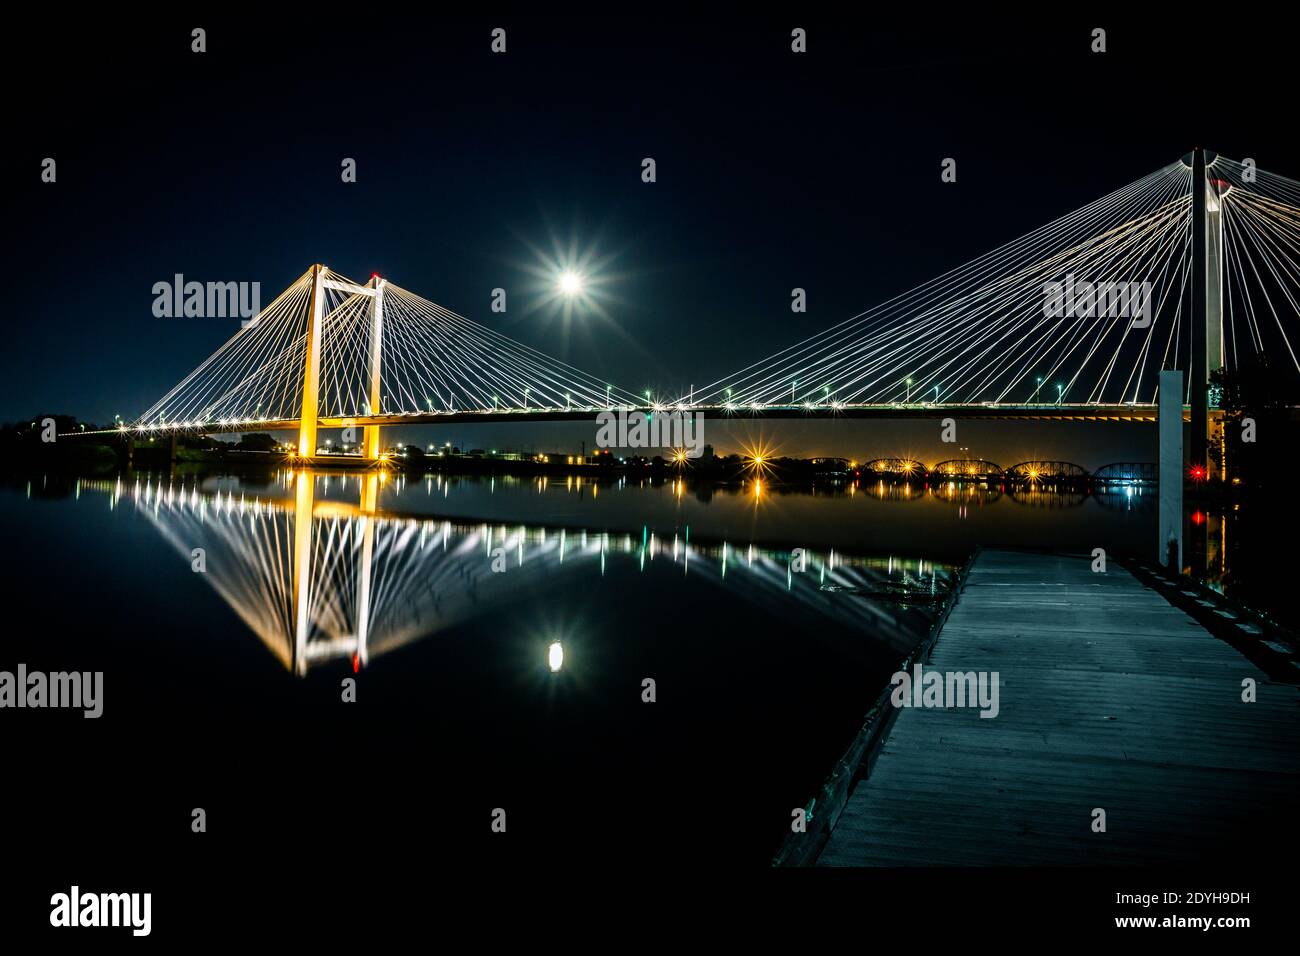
(503, 636)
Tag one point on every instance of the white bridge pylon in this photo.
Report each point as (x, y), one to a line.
(1008, 329)
(331, 352)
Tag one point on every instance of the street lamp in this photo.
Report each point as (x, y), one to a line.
(1060, 392)
(909, 392)
(1038, 387)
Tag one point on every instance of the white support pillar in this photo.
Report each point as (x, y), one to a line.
(376, 351)
(1214, 358)
(1214, 276)
(1171, 469)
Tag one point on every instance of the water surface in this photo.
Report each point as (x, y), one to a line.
(768, 619)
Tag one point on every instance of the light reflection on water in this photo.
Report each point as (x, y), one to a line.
(863, 517)
(392, 579)
(328, 567)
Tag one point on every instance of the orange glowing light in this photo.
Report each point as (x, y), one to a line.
(758, 458)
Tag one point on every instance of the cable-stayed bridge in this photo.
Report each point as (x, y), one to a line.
(1194, 267)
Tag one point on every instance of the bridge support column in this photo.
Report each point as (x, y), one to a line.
(1213, 310)
(372, 448)
(1171, 472)
(311, 376)
(1198, 367)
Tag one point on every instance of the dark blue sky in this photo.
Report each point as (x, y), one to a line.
(774, 170)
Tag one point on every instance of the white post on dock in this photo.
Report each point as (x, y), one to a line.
(1171, 468)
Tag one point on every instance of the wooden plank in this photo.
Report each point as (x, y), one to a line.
(1109, 697)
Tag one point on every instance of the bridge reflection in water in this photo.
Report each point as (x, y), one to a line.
(318, 579)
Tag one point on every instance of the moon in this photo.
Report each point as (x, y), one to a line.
(570, 283)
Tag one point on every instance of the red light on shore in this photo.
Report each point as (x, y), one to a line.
(356, 663)
(1198, 518)
(1197, 472)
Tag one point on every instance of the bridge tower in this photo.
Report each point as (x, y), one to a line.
(311, 376)
(1216, 189)
(310, 414)
(1207, 304)
(376, 350)
(1198, 373)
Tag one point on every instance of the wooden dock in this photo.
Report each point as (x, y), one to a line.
(1110, 697)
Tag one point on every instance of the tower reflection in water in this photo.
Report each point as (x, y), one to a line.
(320, 579)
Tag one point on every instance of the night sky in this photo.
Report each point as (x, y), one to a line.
(775, 170)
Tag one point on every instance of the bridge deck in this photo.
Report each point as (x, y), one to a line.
(1110, 697)
(995, 412)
